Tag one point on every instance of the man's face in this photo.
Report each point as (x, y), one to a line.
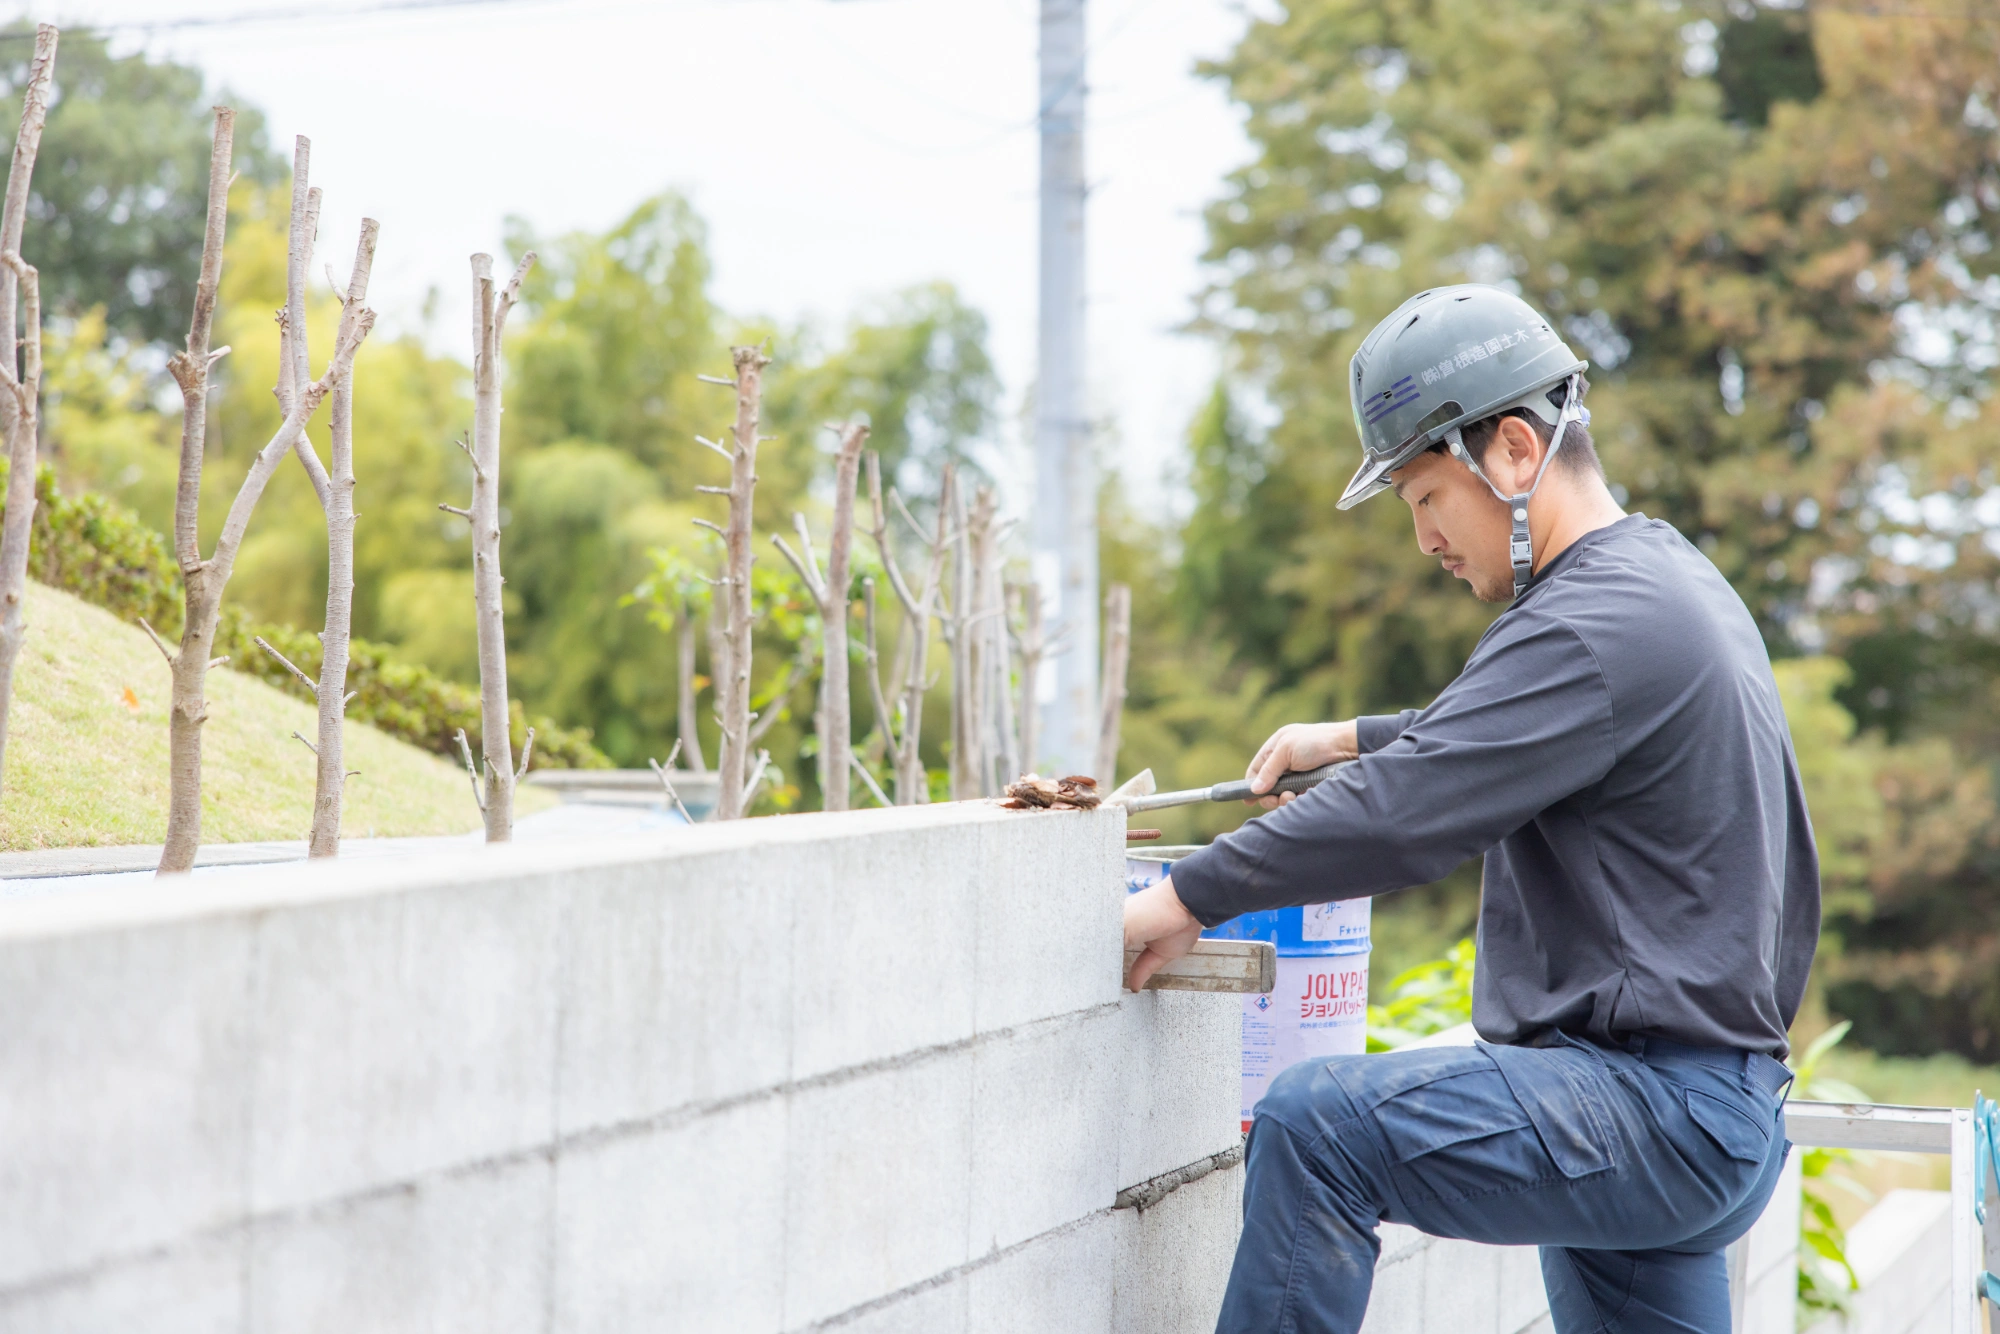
(1460, 521)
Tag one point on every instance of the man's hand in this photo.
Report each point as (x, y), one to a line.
(1159, 928)
(1298, 746)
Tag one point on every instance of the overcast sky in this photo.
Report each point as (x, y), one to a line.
(839, 150)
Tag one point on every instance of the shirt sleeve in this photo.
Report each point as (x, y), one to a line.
(1376, 730)
(1527, 723)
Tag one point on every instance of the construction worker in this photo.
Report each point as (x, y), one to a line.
(1616, 749)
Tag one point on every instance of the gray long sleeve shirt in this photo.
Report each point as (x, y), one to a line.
(1616, 748)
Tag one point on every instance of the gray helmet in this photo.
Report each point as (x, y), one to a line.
(1448, 357)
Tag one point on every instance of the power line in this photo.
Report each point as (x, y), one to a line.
(255, 17)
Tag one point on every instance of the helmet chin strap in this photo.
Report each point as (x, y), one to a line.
(1520, 546)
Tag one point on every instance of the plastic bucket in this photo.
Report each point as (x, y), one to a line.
(1319, 1005)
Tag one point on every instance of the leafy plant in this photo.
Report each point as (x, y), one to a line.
(1424, 999)
(1825, 1276)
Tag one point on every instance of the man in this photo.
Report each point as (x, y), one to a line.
(1616, 748)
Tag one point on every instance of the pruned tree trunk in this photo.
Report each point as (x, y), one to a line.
(999, 763)
(690, 737)
(912, 659)
(834, 717)
(340, 520)
(20, 416)
(1032, 644)
(733, 674)
(336, 493)
(958, 625)
(496, 745)
(1117, 657)
(205, 580)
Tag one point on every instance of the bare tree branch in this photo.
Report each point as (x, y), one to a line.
(808, 575)
(884, 722)
(912, 784)
(690, 736)
(158, 642)
(868, 779)
(472, 772)
(667, 783)
(20, 416)
(527, 750)
(756, 777)
(294, 369)
(879, 531)
(287, 664)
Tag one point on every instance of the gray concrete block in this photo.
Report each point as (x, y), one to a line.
(883, 933)
(1396, 1301)
(1182, 1096)
(681, 1230)
(193, 1289)
(677, 986)
(1174, 1259)
(1059, 1283)
(1461, 1289)
(1048, 915)
(400, 1034)
(1774, 1238)
(124, 1060)
(1397, 1240)
(451, 1253)
(878, 1175)
(939, 1309)
(1044, 1127)
(1523, 1298)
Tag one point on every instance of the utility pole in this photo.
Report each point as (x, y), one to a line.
(1065, 521)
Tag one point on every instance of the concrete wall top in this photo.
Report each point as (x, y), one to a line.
(292, 884)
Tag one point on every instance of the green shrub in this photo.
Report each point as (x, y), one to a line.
(96, 549)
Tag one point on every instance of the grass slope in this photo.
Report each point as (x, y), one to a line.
(87, 750)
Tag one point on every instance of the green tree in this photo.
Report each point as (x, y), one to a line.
(121, 190)
(621, 324)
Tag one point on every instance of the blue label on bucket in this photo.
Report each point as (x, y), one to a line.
(1314, 931)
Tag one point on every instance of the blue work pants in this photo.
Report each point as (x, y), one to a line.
(1631, 1169)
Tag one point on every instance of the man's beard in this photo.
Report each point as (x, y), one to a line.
(1493, 592)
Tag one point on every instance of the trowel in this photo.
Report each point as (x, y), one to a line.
(1136, 794)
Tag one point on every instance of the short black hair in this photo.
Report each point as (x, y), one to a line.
(1577, 457)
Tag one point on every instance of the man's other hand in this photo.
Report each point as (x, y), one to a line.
(1159, 928)
(1298, 746)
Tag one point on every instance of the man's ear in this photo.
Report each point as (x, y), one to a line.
(1517, 451)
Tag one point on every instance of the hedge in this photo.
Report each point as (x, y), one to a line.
(95, 548)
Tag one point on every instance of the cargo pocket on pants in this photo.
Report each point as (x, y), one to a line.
(1561, 1089)
(1734, 1131)
(1459, 1136)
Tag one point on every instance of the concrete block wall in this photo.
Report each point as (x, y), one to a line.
(868, 1072)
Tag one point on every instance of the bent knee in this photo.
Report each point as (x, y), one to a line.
(1308, 1097)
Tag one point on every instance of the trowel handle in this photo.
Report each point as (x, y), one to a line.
(1296, 781)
